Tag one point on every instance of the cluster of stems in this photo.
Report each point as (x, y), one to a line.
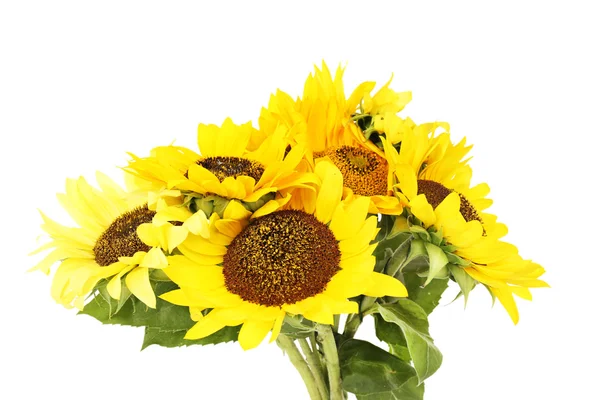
(316, 358)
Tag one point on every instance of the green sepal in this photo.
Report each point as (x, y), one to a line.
(437, 261)
(412, 320)
(464, 280)
(166, 338)
(112, 306)
(454, 259)
(437, 237)
(420, 232)
(426, 297)
(417, 257)
(392, 254)
(444, 273)
(372, 373)
(255, 205)
(401, 225)
(297, 327)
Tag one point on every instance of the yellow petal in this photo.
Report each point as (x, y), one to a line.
(154, 258)
(253, 332)
(422, 210)
(147, 234)
(277, 327)
(229, 228)
(320, 315)
(138, 282)
(198, 224)
(175, 236)
(205, 327)
(508, 302)
(348, 218)
(177, 297)
(330, 192)
(407, 180)
(236, 210)
(114, 286)
(385, 285)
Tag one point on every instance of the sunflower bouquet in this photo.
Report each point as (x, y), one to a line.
(336, 211)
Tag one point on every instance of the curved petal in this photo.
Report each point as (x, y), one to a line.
(385, 285)
(330, 191)
(253, 332)
(138, 282)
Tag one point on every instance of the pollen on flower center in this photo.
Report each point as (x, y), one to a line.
(435, 193)
(223, 167)
(281, 258)
(365, 172)
(120, 239)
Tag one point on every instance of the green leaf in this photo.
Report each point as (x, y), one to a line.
(410, 390)
(427, 297)
(437, 261)
(464, 280)
(368, 370)
(167, 338)
(389, 333)
(166, 316)
(412, 319)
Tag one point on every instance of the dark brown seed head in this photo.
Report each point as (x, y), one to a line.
(435, 193)
(365, 172)
(224, 167)
(281, 258)
(120, 239)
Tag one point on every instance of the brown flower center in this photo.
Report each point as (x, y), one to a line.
(120, 239)
(281, 258)
(224, 167)
(365, 172)
(436, 193)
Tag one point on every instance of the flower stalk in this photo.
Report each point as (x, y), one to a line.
(327, 340)
(288, 346)
(313, 360)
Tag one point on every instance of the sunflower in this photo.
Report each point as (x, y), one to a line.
(115, 238)
(434, 180)
(235, 164)
(253, 269)
(332, 126)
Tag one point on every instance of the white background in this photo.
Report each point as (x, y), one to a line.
(83, 82)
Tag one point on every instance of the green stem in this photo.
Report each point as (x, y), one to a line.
(313, 359)
(325, 336)
(352, 324)
(288, 346)
(336, 323)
